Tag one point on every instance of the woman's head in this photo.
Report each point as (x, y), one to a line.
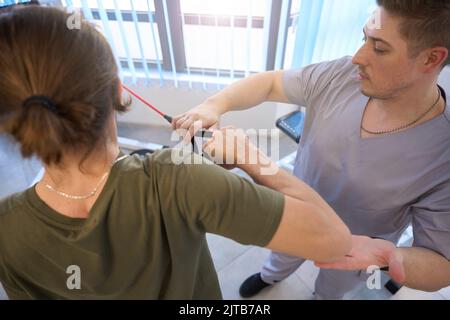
(71, 76)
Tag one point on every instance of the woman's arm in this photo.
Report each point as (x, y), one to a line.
(309, 227)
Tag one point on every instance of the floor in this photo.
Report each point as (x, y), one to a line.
(235, 262)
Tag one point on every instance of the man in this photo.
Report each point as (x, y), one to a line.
(376, 146)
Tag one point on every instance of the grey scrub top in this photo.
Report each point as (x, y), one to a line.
(378, 186)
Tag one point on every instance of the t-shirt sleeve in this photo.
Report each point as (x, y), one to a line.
(431, 221)
(214, 200)
(302, 86)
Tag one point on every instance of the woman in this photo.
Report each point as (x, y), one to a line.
(101, 225)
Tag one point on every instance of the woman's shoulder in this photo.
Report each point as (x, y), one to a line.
(140, 163)
(11, 203)
(163, 166)
(172, 159)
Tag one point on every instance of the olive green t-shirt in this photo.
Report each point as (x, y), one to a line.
(144, 237)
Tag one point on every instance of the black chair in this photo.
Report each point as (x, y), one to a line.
(142, 152)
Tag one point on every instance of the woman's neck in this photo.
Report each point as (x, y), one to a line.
(75, 168)
(78, 172)
(80, 175)
(74, 181)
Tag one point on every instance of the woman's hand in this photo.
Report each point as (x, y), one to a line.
(230, 148)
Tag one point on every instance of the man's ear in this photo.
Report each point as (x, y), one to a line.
(434, 58)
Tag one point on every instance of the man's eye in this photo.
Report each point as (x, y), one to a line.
(377, 49)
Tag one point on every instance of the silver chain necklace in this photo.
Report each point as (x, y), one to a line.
(405, 126)
(90, 194)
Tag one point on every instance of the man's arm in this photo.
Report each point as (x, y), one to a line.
(416, 268)
(249, 92)
(244, 94)
(425, 270)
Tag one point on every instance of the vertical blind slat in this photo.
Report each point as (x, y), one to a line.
(249, 40)
(183, 23)
(69, 4)
(281, 45)
(267, 24)
(158, 60)
(329, 29)
(217, 30)
(105, 23)
(86, 10)
(202, 69)
(125, 41)
(232, 48)
(138, 34)
(169, 37)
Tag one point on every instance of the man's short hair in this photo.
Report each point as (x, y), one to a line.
(426, 23)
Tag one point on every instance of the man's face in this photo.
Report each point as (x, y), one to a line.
(385, 68)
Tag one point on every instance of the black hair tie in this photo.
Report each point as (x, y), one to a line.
(43, 101)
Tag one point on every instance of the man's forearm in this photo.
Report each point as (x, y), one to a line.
(247, 93)
(425, 269)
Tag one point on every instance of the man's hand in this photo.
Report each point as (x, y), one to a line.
(204, 116)
(368, 252)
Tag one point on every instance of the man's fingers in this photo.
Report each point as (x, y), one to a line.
(187, 124)
(174, 122)
(178, 120)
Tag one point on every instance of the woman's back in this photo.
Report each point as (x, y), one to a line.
(144, 237)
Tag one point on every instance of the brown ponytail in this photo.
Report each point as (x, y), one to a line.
(74, 69)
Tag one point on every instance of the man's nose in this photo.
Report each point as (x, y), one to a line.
(359, 57)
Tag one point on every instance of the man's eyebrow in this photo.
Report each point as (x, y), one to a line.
(377, 39)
